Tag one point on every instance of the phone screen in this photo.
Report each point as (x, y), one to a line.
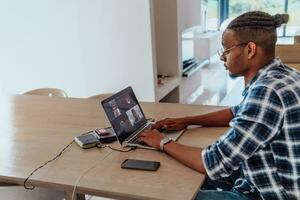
(140, 164)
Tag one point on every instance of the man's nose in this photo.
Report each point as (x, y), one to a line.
(222, 58)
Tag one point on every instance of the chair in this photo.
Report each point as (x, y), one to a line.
(101, 96)
(52, 92)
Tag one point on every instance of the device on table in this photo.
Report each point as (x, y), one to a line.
(140, 164)
(95, 137)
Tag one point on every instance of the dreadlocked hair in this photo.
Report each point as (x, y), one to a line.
(258, 27)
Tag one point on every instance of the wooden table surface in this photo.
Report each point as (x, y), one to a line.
(34, 129)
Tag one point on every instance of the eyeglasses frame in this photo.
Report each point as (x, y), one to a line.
(222, 53)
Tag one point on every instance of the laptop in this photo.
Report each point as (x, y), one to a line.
(128, 119)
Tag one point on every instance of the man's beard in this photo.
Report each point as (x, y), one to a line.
(232, 76)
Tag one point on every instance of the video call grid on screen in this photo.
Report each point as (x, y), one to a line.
(124, 113)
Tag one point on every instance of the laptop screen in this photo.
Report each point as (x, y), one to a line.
(124, 113)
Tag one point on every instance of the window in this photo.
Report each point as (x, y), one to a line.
(294, 24)
(229, 9)
(237, 7)
(212, 22)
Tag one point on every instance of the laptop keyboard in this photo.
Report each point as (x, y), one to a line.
(136, 141)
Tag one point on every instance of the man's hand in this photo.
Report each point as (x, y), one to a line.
(171, 124)
(189, 156)
(151, 138)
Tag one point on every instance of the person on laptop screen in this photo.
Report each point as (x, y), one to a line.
(259, 156)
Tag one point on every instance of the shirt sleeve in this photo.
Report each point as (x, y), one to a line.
(255, 123)
(234, 110)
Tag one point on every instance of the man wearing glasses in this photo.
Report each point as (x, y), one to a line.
(259, 156)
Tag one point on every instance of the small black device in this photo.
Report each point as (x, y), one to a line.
(107, 135)
(140, 164)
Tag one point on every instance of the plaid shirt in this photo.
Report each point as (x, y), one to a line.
(264, 136)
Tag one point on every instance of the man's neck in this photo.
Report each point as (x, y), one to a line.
(256, 66)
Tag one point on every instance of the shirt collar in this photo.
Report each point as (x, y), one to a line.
(262, 71)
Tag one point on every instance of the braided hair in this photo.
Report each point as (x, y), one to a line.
(258, 27)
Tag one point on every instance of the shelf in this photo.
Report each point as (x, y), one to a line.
(168, 85)
(170, 19)
(195, 66)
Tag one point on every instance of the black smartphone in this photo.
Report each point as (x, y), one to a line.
(140, 164)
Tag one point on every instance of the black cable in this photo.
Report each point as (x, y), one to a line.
(58, 155)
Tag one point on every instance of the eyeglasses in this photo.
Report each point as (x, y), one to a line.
(222, 52)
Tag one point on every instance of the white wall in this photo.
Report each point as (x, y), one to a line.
(82, 46)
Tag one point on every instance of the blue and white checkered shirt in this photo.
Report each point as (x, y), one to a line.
(264, 136)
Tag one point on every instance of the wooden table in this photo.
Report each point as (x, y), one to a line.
(34, 129)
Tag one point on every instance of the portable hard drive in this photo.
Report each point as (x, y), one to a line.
(88, 140)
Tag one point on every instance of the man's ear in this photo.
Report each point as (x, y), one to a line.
(252, 48)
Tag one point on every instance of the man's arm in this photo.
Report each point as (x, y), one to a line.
(218, 118)
(190, 156)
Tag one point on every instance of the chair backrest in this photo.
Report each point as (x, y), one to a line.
(101, 96)
(52, 92)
